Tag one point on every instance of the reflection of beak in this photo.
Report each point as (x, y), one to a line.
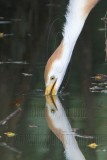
(51, 102)
(51, 89)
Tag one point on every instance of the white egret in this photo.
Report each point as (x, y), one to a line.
(77, 12)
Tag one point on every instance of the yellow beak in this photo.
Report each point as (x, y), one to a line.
(50, 89)
(51, 102)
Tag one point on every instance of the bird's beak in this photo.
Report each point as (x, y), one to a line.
(51, 89)
(50, 100)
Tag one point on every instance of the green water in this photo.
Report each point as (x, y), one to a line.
(34, 139)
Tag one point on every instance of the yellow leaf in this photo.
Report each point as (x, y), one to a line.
(92, 145)
(98, 77)
(9, 134)
(1, 35)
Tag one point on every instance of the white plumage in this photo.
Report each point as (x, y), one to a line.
(77, 12)
(60, 126)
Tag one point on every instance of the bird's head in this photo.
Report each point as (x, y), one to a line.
(54, 72)
(53, 77)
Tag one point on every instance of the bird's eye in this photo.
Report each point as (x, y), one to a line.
(52, 77)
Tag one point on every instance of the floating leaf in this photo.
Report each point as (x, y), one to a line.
(98, 77)
(18, 103)
(92, 145)
(33, 126)
(9, 134)
(101, 150)
(27, 74)
(1, 35)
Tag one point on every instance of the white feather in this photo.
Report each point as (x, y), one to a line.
(60, 121)
(75, 19)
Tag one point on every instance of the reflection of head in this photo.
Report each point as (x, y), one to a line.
(60, 126)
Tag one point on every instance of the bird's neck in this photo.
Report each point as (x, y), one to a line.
(72, 150)
(77, 12)
(60, 126)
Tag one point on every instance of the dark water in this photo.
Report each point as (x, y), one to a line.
(42, 127)
(34, 137)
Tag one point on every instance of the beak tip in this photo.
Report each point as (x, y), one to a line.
(53, 93)
(50, 90)
(47, 92)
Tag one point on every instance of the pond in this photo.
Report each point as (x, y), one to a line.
(70, 126)
(37, 128)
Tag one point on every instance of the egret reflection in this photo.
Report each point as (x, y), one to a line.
(59, 124)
